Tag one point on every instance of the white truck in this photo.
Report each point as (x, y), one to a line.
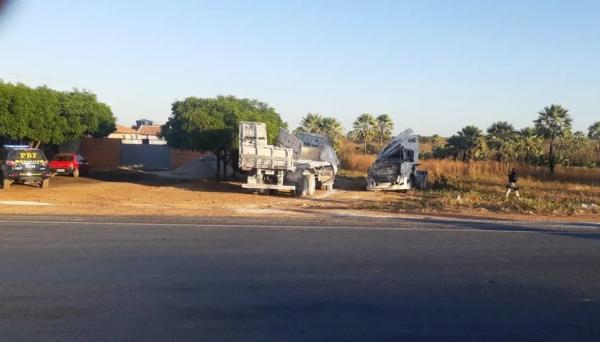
(396, 166)
(296, 163)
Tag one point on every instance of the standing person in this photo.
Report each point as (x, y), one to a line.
(512, 183)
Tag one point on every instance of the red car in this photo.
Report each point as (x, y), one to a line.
(71, 164)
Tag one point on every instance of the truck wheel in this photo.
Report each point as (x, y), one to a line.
(44, 184)
(312, 183)
(6, 183)
(76, 173)
(301, 187)
(263, 191)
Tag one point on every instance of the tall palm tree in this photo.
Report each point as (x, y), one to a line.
(501, 137)
(363, 128)
(385, 126)
(311, 123)
(333, 129)
(553, 123)
(594, 134)
(471, 139)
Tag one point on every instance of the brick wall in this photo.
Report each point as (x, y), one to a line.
(105, 154)
(102, 153)
(180, 157)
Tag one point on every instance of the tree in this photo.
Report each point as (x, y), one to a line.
(328, 126)
(333, 129)
(530, 146)
(594, 135)
(553, 123)
(501, 139)
(384, 128)
(311, 123)
(570, 148)
(436, 141)
(45, 116)
(363, 129)
(467, 142)
(211, 124)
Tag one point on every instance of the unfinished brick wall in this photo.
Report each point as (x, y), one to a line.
(102, 153)
(180, 157)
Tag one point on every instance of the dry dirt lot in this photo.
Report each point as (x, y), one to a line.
(131, 193)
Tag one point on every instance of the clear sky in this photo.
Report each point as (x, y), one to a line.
(435, 66)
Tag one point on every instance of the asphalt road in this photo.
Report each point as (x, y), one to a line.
(348, 279)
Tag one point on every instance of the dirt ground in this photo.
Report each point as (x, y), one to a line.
(130, 193)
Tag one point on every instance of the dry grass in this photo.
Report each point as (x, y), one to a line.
(353, 159)
(490, 170)
(480, 186)
(358, 162)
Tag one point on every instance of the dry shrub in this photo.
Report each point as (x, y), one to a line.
(352, 157)
(358, 162)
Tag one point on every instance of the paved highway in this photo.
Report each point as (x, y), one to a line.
(345, 279)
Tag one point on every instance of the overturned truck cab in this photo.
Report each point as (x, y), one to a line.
(396, 166)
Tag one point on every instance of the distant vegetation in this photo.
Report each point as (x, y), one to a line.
(45, 116)
(549, 142)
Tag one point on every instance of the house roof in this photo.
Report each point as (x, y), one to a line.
(124, 130)
(149, 130)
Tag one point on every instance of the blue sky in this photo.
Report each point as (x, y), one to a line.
(435, 66)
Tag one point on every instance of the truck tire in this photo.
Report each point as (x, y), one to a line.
(6, 183)
(302, 187)
(312, 183)
(76, 173)
(45, 184)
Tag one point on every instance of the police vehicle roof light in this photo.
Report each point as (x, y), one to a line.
(16, 146)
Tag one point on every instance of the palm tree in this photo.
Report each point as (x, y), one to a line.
(363, 129)
(594, 134)
(500, 137)
(311, 123)
(333, 129)
(385, 126)
(470, 140)
(530, 145)
(553, 123)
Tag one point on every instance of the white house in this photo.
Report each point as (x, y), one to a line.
(145, 134)
(150, 135)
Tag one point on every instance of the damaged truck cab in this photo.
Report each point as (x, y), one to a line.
(396, 166)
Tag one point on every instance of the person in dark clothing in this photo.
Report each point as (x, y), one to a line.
(512, 183)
